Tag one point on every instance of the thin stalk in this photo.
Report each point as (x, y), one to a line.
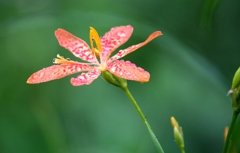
(230, 131)
(154, 138)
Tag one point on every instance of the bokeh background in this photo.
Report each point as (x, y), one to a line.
(191, 68)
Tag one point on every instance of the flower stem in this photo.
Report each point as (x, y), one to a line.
(154, 138)
(230, 132)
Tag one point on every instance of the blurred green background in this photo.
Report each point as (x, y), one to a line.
(191, 69)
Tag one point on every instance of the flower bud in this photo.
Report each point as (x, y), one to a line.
(236, 80)
(234, 92)
(178, 133)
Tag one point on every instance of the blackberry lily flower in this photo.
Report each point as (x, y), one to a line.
(98, 58)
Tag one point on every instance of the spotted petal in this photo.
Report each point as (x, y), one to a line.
(130, 49)
(113, 39)
(77, 46)
(128, 70)
(57, 72)
(86, 78)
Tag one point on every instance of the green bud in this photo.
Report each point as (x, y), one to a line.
(178, 137)
(178, 134)
(236, 80)
(234, 92)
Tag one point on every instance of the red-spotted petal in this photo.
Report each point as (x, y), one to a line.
(86, 78)
(77, 46)
(130, 49)
(128, 70)
(57, 72)
(113, 39)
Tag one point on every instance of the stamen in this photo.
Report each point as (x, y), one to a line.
(59, 59)
(62, 60)
(95, 37)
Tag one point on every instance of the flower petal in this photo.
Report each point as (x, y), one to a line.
(128, 70)
(113, 39)
(77, 46)
(130, 49)
(57, 72)
(86, 78)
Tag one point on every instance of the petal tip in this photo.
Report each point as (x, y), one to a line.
(157, 33)
(33, 79)
(145, 78)
(57, 31)
(28, 81)
(129, 26)
(73, 82)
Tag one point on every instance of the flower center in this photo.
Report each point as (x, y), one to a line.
(94, 37)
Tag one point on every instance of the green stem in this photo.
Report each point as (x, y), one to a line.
(230, 131)
(154, 138)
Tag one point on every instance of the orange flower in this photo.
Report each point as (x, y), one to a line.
(98, 58)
